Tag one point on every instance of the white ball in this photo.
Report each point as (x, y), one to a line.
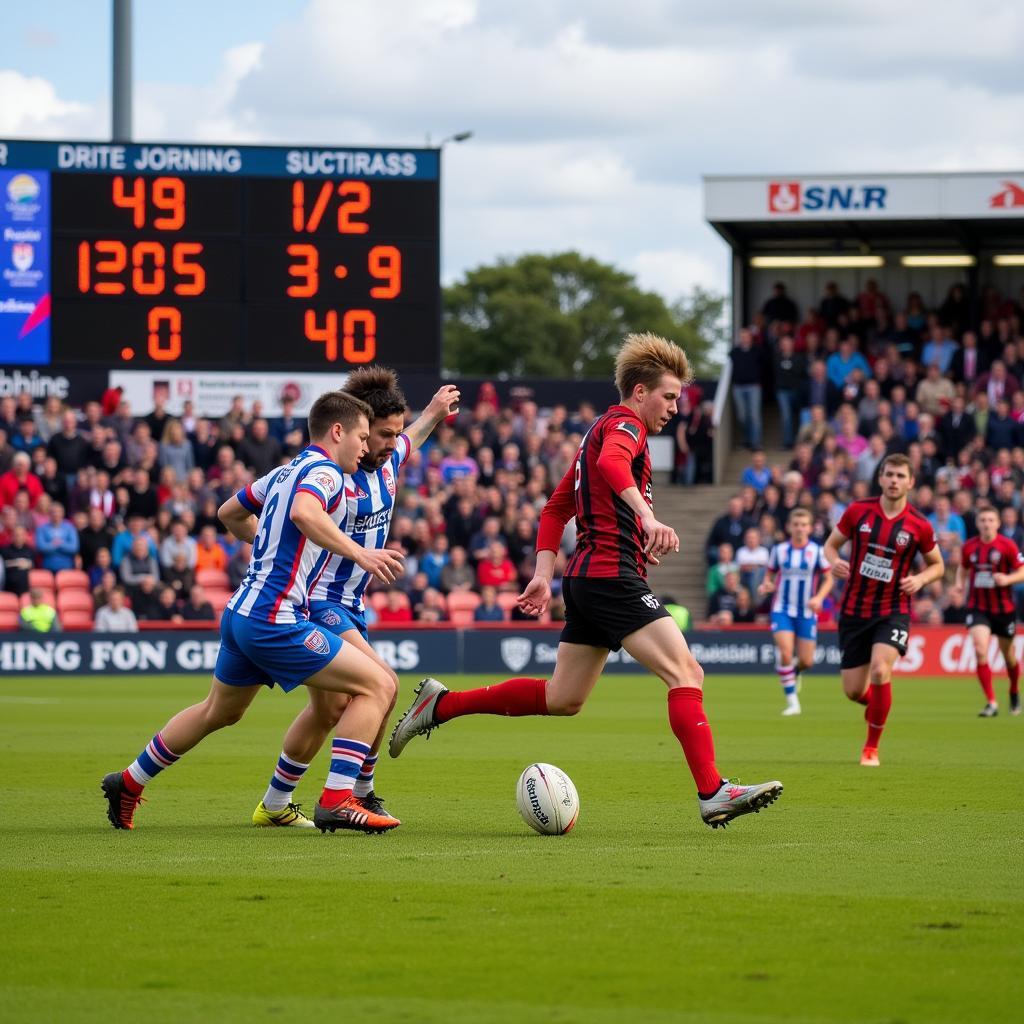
(547, 799)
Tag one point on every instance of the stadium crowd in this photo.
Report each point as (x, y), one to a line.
(109, 519)
(856, 379)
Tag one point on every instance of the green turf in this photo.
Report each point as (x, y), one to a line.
(882, 895)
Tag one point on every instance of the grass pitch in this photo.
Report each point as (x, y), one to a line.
(880, 895)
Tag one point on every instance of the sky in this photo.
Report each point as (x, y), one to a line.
(593, 120)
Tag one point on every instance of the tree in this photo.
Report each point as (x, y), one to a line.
(563, 316)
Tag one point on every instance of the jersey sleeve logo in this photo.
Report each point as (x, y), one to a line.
(630, 428)
(389, 480)
(326, 481)
(902, 539)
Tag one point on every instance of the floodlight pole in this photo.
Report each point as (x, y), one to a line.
(121, 84)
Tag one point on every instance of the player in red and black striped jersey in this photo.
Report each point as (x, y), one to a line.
(885, 535)
(608, 604)
(992, 564)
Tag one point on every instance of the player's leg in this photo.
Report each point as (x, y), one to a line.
(883, 658)
(662, 649)
(1006, 645)
(981, 638)
(224, 705)
(806, 648)
(786, 669)
(577, 669)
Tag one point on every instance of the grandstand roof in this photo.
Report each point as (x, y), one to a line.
(959, 211)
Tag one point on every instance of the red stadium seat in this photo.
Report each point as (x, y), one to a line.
(506, 602)
(74, 600)
(41, 578)
(72, 579)
(462, 601)
(49, 597)
(377, 600)
(9, 620)
(77, 619)
(213, 579)
(9, 602)
(460, 617)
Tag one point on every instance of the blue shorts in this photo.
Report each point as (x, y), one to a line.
(254, 651)
(805, 626)
(337, 618)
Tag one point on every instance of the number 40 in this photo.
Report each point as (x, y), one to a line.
(358, 334)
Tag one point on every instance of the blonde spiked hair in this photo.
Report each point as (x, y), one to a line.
(645, 358)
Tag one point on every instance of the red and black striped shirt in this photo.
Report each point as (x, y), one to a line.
(982, 560)
(609, 538)
(883, 554)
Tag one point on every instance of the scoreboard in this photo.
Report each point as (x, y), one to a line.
(141, 256)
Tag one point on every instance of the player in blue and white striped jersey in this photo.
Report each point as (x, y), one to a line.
(794, 567)
(336, 597)
(266, 635)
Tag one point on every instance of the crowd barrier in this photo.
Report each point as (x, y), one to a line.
(498, 650)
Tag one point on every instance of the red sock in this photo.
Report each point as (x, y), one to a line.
(130, 784)
(878, 712)
(330, 798)
(985, 678)
(1013, 671)
(690, 725)
(514, 697)
(862, 699)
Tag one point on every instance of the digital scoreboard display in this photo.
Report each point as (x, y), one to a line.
(144, 256)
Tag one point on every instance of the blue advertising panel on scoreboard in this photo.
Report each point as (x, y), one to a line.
(25, 263)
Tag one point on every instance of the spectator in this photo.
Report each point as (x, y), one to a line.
(138, 564)
(997, 384)
(457, 574)
(145, 599)
(431, 607)
(209, 553)
(459, 463)
(26, 438)
(834, 306)
(396, 610)
(68, 447)
(680, 613)
(197, 608)
(179, 577)
(1002, 430)
(39, 616)
(790, 368)
(115, 616)
(488, 610)
(20, 478)
(968, 362)
(949, 527)
(757, 474)
(497, 569)
(935, 393)
(176, 450)
(940, 349)
(167, 607)
(752, 559)
(725, 563)
(956, 427)
(724, 601)
(260, 451)
(178, 542)
(124, 540)
(727, 528)
(744, 613)
(238, 564)
(57, 541)
(19, 559)
(955, 613)
(780, 306)
(289, 429)
(747, 371)
(846, 361)
(432, 562)
(102, 564)
(819, 391)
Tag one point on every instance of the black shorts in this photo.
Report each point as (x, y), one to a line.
(600, 612)
(1001, 623)
(857, 636)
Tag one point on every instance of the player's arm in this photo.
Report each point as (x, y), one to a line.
(840, 567)
(557, 511)
(768, 583)
(309, 514)
(1009, 579)
(614, 463)
(933, 570)
(441, 406)
(240, 521)
(824, 589)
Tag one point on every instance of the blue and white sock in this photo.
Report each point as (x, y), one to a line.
(149, 764)
(287, 775)
(364, 780)
(347, 757)
(787, 677)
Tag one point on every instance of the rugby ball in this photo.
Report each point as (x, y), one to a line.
(547, 799)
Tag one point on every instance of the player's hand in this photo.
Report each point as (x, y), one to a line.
(385, 566)
(535, 598)
(841, 569)
(659, 539)
(911, 584)
(1001, 579)
(766, 587)
(815, 604)
(445, 403)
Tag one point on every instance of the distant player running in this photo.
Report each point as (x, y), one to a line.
(992, 564)
(608, 604)
(886, 534)
(336, 601)
(793, 568)
(266, 637)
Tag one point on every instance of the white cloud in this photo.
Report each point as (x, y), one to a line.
(30, 107)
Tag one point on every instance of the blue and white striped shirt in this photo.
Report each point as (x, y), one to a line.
(797, 569)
